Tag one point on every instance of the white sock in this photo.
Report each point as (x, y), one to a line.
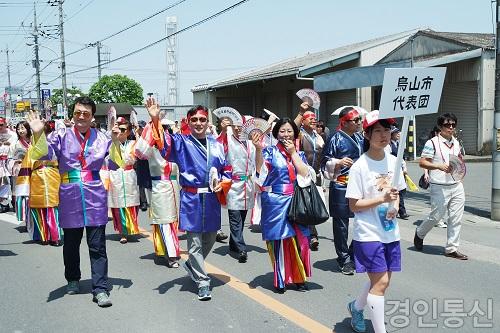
(361, 299)
(376, 305)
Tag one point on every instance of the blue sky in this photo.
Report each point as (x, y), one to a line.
(256, 33)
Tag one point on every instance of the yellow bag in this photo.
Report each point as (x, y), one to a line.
(410, 184)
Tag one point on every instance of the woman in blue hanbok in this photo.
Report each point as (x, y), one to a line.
(281, 168)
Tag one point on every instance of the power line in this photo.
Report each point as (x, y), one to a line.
(88, 3)
(165, 38)
(124, 29)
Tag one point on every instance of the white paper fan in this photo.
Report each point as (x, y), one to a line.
(253, 125)
(360, 110)
(133, 118)
(310, 97)
(111, 117)
(213, 178)
(229, 112)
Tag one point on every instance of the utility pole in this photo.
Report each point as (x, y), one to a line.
(9, 82)
(495, 186)
(37, 62)
(63, 60)
(99, 69)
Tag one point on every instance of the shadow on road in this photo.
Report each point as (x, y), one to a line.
(345, 326)
(7, 253)
(430, 249)
(86, 287)
(266, 282)
(189, 286)
(130, 239)
(224, 250)
(328, 265)
(21, 229)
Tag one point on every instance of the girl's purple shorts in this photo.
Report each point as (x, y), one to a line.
(377, 257)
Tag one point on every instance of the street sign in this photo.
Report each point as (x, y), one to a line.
(408, 92)
(45, 94)
(22, 106)
(411, 91)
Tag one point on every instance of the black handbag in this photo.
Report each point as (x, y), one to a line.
(307, 207)
(422, 183)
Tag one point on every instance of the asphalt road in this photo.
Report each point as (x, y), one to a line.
(149, 297)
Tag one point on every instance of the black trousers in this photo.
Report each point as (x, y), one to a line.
(340, 236)
(96, 241)
(402, 208)
(236, 223)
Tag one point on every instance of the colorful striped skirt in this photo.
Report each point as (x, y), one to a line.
(165, 240)
(290, 258)
(46, 224)
(125, 220)
(23, 208)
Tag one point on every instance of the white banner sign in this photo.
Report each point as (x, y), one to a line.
(411, 91)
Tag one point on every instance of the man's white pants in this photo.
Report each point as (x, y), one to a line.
(446, 198)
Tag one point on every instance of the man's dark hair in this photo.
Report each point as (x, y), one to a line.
(195, 109)
(282, 122)
(446, 116)
(87, 101)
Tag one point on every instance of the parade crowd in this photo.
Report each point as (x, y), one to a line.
(61, 177)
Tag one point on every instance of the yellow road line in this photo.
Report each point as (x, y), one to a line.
(258, 296)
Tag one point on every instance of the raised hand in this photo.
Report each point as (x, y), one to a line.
(257, 140)
(153, 108)
(36, 124)
(289, 146)
(115, 131)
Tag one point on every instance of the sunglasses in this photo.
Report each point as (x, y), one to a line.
(450, 125)
(196, 119)
(123, 130)
(85, 114)
(356, 120)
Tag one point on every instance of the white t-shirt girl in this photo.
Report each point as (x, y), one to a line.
(367, 179)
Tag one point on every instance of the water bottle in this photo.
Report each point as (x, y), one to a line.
(387, 225)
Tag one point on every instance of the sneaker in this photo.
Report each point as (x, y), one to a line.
(73, 288)
(357, 318)
(204, 294)
(102, 299)
(418, 242)
(220, 236)
(314, 244)
(348, 268)
(441, 224)
(242, 257)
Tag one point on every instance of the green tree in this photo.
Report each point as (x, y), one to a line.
(116, 89)
(56, 96)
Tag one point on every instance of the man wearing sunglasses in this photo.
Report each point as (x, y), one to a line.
(447, 193)
(202, 166)
(80, 151)
(344, 147)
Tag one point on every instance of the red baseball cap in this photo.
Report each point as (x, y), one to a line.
(2, 120)
(371, 118)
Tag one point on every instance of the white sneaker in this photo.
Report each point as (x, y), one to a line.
(441, 224)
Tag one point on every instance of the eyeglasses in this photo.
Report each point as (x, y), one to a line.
(450, 125)
(356, 120)
(196, 119)
(85, 114)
